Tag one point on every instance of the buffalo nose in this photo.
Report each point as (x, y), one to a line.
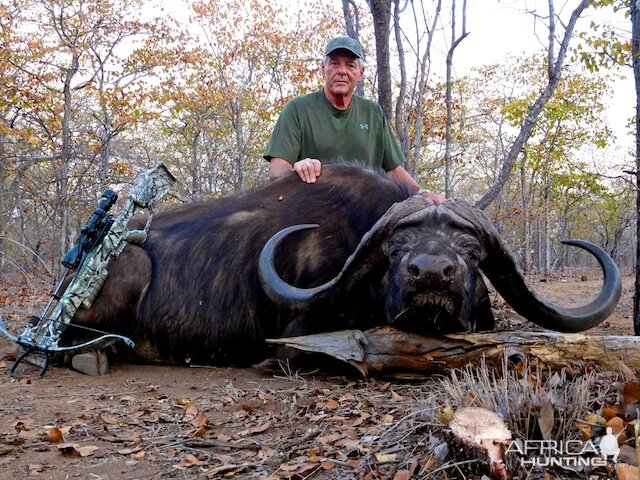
(431, 269)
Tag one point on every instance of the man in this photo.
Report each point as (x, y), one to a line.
(335, 124)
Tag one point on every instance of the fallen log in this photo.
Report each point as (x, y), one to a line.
(385, 350)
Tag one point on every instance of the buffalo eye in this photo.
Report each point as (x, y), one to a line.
(471, 250)
(474, 254)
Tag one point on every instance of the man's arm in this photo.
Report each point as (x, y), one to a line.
(278, 167)
(399, 173)
(308, 169)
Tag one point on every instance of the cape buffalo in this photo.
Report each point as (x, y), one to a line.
(199, 290)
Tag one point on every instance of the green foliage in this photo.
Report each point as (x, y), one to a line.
(606, 45)
(603, 50)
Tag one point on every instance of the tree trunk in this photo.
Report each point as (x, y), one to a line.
(635, 52)
(454, 43)
(526, 217)
(540, 244)
(65, 154)
(385, 350)
(196, 181)
(4, 199)
(380, 11)
(402, 127)
(547, 231)
(352, 25)
(105, 154)
(241, 161)
(351, 18)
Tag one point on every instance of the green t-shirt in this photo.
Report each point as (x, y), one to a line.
(310, 127)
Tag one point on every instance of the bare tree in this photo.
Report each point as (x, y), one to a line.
(68, 25)
(555, 64)
(4, 198)
(455, 41)
(424, 65)
(409, 111)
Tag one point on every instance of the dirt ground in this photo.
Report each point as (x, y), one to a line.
(148, 422)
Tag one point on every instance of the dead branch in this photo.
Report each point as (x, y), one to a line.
(385, 350)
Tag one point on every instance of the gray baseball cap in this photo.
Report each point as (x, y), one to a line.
(344, 43)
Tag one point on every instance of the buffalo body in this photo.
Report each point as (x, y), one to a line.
(193, 291)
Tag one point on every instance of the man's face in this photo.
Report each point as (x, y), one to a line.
(341, 72)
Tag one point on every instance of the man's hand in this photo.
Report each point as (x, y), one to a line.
(434, 197)
(308, 169)
(402, 175)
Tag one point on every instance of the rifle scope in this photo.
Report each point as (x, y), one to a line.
(90, 230)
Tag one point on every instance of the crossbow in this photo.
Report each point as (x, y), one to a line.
(101, 240)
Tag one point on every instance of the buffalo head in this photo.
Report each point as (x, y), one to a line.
(426, 259)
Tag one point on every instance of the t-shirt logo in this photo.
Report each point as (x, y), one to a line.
(364, 126)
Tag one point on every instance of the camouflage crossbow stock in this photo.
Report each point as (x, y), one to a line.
(102, 239)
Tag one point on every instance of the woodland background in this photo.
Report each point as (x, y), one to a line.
(92, 92)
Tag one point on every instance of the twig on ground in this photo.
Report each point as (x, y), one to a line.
(212, 443)
(23, 408)
(293, 446)
(226, 468)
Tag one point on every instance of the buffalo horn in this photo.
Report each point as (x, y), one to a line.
(511, 285)
(368, 254)
(502, 270)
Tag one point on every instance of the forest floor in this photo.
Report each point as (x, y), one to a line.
(152, 422)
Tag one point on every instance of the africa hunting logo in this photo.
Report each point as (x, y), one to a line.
(569, 453)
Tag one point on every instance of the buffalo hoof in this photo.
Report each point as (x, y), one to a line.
(91, 363)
